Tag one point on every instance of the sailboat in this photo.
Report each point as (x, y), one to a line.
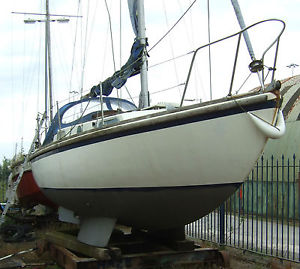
(153, 168)
(28, 193)
(21, 182)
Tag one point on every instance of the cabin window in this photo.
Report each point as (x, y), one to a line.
(82, 109)
(108, 121)
(79, 129)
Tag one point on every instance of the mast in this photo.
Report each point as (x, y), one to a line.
(46, 78)
(48, 60)
(48, 54)
(144, 94)
(48, 71)
(241, 21)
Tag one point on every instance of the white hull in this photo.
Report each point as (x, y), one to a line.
(195, 153)
(192, 154)
(121, 172)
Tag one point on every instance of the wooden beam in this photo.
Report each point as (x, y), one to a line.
(70, 242)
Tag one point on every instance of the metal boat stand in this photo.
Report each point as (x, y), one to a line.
(128, 252)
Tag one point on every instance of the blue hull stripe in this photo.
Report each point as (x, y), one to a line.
(173, 123)
(145, 189)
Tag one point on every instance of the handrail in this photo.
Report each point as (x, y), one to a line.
(234, 68)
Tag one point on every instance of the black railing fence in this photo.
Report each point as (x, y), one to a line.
(262, 215)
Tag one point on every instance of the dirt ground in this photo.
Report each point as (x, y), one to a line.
(238, 258)
(245, 259)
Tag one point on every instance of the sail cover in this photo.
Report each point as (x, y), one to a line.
(132, 66)
(119, 78)
(132, 6)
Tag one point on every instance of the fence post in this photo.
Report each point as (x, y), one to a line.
(222, 224)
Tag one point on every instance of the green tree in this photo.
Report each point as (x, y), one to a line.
(4, 174)
(5, 169)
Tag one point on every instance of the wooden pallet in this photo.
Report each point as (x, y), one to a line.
(129, 252)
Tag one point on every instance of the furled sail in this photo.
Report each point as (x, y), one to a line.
(119, 78)
(132, 6)
(132, 66)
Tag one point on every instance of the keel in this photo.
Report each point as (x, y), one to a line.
(96, 231)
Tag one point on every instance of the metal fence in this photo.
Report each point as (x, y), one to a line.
(262, 215)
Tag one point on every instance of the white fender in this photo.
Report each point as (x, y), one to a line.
(267, 129)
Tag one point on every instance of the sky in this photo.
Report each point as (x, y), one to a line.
(82, 52)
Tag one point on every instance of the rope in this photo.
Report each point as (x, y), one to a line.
(172, 26)
(18, 253)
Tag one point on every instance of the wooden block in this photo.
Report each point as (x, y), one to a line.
(182, 245)
(70, 242)
(42, 246)
(69, 260)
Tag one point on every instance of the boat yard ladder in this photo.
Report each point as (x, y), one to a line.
(13, 185)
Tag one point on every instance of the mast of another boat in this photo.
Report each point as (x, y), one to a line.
(48, 65)
(144, 94)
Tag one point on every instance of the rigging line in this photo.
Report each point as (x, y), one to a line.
(129, 94)
(77, 121)
(104, 53)
(164, 90)
(189, 36)
(173, 26)
(172, 59)
(12, 81)
(74, 46)
(120, 33)
(209, 50)
(120, 4)
(85, 46)
(172, 48)
(170, 88)
(120, 23)
(112, 41)
(111, 36)
(243, 83)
